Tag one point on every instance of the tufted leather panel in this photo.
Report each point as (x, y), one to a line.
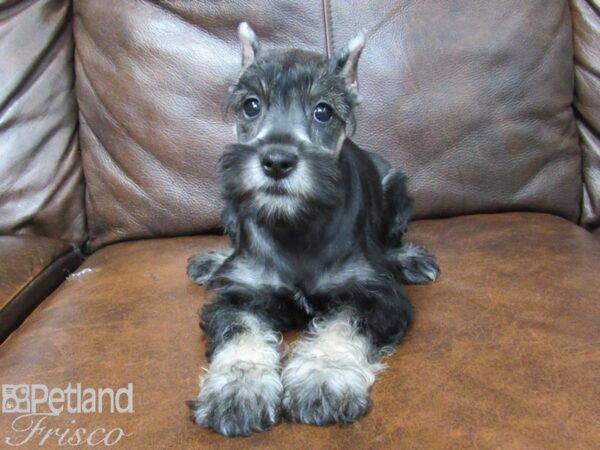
(504, 351)
(586, 29)
(471, 99)
(41, 178)
(478, 120)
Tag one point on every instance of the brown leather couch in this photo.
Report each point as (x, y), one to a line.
(110, 126)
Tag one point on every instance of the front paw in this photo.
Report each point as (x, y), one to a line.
(202, 267)
(414, 264)
(324, 396)
(240, 400)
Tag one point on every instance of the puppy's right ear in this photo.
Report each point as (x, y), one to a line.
(250, 45)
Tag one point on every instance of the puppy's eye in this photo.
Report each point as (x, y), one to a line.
(251, 107)
(323, 113)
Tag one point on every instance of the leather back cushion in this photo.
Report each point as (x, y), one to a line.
(41, 177)
(471, 99)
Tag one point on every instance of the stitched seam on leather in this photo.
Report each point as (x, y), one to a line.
(327, 19)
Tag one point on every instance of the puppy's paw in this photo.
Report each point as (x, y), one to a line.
(201, 267)
(325, 397)
(240, 400)
(414, 264)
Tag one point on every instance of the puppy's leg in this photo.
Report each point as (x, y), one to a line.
(229, 221)
(397, 206)
(241, 393)
(202, 267)
(413, 264)
(329, 373)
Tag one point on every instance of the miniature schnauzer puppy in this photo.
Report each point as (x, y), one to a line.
(316, 225)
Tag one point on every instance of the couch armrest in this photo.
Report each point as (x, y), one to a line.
(31, 267)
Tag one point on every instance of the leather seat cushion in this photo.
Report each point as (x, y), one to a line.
(504, 351)
(30, 268)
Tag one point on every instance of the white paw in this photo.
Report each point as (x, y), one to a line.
(328, 377)
(238, 401)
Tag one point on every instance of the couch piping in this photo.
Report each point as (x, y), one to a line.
(327, 20)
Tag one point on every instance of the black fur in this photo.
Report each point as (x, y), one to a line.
(347, 222)
(325, 240)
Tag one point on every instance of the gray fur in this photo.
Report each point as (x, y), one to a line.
(415, 264)
(317, 227)
(202, 267)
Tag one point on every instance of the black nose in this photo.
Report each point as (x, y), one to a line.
(278, 163)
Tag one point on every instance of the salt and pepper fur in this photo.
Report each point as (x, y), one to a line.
(319, 249)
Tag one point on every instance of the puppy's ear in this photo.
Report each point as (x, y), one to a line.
(250, 44)
(346, 60)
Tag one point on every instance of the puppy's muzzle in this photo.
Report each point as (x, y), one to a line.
(278, 163)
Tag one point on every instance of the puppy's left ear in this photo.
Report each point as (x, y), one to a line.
(346, 60)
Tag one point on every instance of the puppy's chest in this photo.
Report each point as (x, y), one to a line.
(339, 276)
(314, 291)
(311, 278)
(310, 287)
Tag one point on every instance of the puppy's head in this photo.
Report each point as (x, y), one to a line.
(292, 110)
